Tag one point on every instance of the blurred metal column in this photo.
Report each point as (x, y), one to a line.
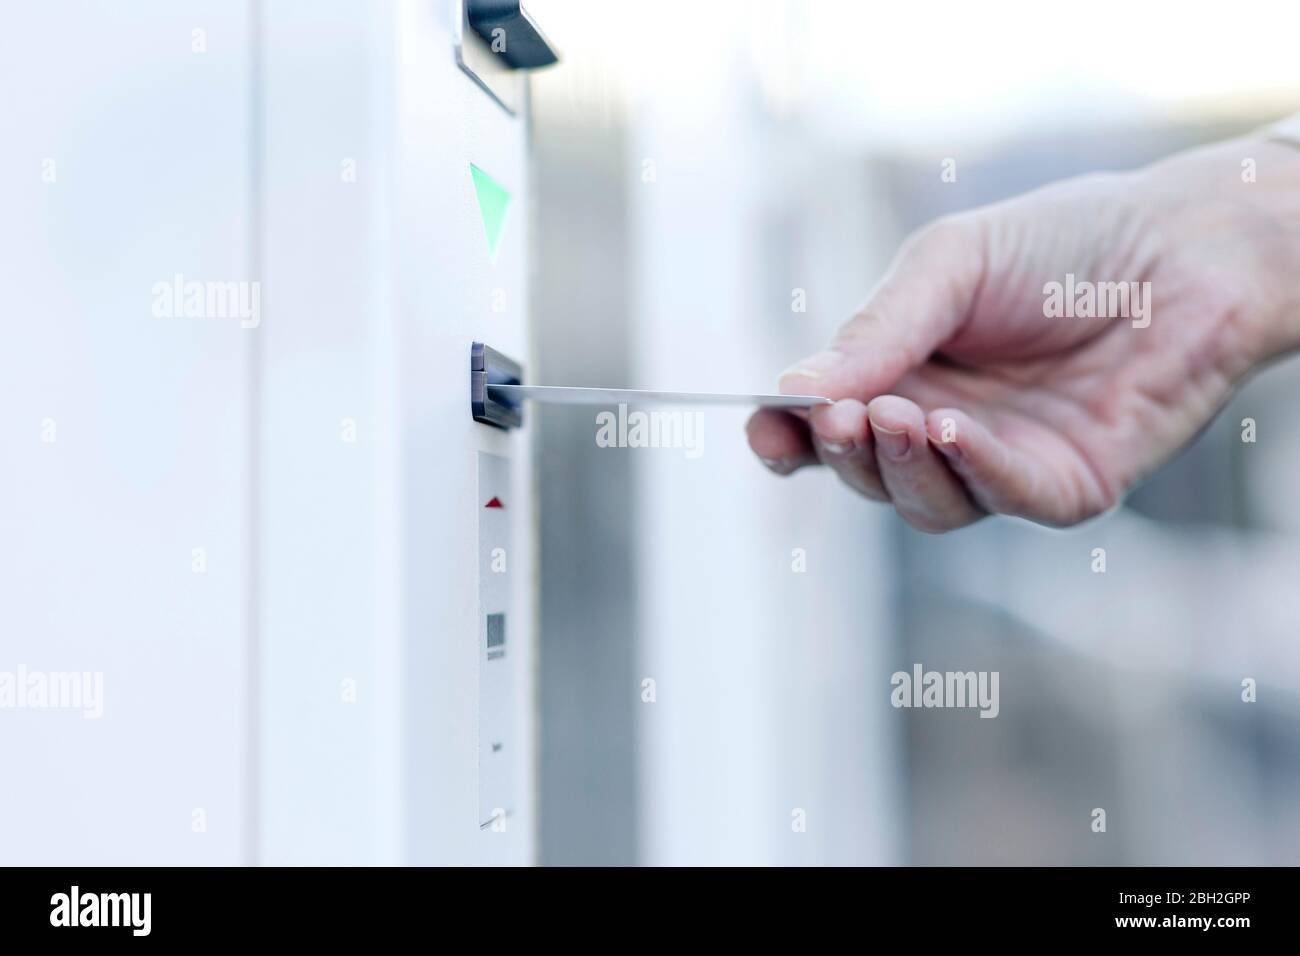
(587, 679)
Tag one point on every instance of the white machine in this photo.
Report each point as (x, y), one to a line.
(247, 249)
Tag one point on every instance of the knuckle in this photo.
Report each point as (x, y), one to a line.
(862, 481)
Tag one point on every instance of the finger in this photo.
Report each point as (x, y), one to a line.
(921, 303)
(842, 439)
(997, 476)
(780, 440)
(924, 491)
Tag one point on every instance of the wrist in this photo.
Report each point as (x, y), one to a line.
(1239, 201)
(1268, 187)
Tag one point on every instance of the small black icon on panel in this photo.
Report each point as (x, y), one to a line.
(496, 636)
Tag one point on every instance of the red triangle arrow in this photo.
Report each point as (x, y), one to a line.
(494, 503)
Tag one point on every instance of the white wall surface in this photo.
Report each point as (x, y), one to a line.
(314, 693)
(150, 149)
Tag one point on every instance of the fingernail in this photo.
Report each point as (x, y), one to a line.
(893, 444)
(838, 447)
(814, 366)
(782, 466)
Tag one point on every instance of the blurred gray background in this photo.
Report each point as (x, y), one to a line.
(694, 169)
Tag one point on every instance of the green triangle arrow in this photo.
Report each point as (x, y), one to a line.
(492, 202)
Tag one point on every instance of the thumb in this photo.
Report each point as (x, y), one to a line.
(921, 303)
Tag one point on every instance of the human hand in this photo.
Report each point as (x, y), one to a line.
(961, 391)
